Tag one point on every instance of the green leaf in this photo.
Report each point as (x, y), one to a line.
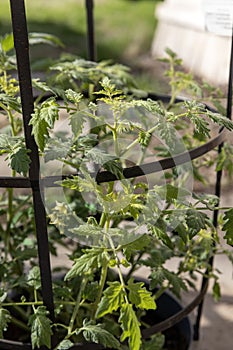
(57, 148)
(20, 160)
(40, 328)
(87, 184)
(144, 138)
(140, 296)
(39, 129)
(44, 38)
(33, 278)
(11, 102)
(216, 291)
(99, 335)
(160, 274)
(159, 230)
(90, 292)
(73, 96)
(225, 159)
(220, 120)
(3, 295)
(5, 318)
(138, 244)
(131, 327)
(156, 342)
(7, 42)
(96, 235)
(115, 167)
(99, 156)
(40, 85)
(228, 226)
(65, 345)
(112, 299)
(42, 120)
(90, 260)
(176, 283)
(167, 132)
(195, 112)
(196, 221)
(76, 121)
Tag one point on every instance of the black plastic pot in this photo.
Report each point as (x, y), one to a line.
(177, 337)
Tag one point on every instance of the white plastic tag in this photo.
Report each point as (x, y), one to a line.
(219, 16)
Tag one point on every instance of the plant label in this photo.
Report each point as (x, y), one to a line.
(219, 16)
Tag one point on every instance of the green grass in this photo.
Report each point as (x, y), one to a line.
(123, 28)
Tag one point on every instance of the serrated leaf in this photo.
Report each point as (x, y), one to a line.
(91, 291)
(196, 221)
(131, 327)
(96, 235)
(176, 283)
(90, 260)
(115, 167)
(65, 345)
(73, 96)
(33, 278)
(159, 230)
(99, 335)
(228, 226)
(159, 275)
(138, 244)
(40, 328)
(87, 184)
(113, 298)
(56, 149)
(5, 318)
(220, 120)
(20, 160)
(194, 112)
(167, 132)
(42, 120)
(76, 121)
(99, 156)
(140, 296)
(11, 102)
(39, 130)
(41, 85)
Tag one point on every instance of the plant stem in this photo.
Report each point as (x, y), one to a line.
(104, 271)
(115, 139)
(118, 267)
(26, 303)
(76, 308)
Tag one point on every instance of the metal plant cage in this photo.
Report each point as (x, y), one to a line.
(35, 182)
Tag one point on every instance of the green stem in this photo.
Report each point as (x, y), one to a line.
(102, 219)
(115, 139)
(118, 267)
(160, 291)
(104, 271)
(27, 303)
(134, 265)
(76, 308)
(12, 123)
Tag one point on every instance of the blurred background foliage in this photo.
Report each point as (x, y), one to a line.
(124, 29)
